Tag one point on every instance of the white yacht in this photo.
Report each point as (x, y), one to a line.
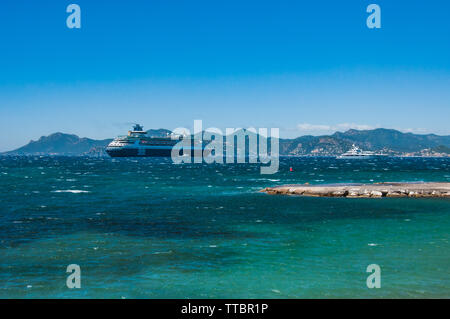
(356, 152)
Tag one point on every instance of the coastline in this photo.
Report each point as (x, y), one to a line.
(377, 190)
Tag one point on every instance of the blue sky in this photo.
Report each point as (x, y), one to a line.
(307, 67)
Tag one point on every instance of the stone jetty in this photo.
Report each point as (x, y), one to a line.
(376, 190)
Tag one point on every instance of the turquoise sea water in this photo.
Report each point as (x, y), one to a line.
(145, 228)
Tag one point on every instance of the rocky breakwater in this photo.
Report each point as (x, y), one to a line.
(376, 190)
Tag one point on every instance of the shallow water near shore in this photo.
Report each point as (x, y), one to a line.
(146, 228)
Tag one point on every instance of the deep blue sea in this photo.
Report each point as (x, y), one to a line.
(146, 228)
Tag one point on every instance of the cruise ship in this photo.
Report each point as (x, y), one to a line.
(139, 144)
(357, 153)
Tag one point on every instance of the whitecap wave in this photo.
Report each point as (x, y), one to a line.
(74, 191)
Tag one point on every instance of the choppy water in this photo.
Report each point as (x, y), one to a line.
(149, 229)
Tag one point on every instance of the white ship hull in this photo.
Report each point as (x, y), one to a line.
(356, 156)
(356, 153)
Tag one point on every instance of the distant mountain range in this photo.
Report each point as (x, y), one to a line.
(70, 145)
(387, 140)
(61, 144)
